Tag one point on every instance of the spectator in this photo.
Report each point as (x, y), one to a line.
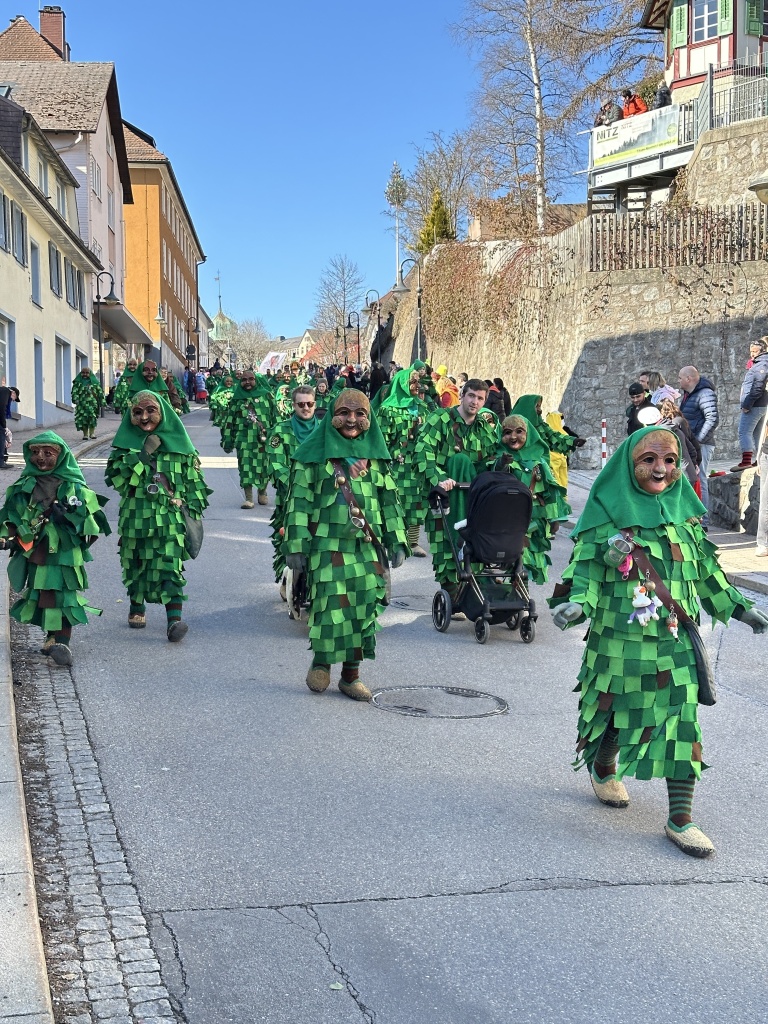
(699, 406)
(392, 368)
(461, 380)
(495, 400)
(754, 403)
(504, 395)
(378, 379)
(608, 114)
(762, 518)
(663, 97)
(638, 399)
(5, 401)
(657, 387)
(633, 104)
(755, 349)
(690, 449)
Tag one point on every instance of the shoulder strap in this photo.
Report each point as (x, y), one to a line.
(645, 569)
(342, 482)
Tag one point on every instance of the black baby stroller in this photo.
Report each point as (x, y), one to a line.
(498, 514)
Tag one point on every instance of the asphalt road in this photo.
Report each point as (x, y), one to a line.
(439, 870)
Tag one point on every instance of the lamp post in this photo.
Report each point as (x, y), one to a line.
(161, 323)
(368, 309)
(344, 329)
(402, 289)
(109, 300)
(350, 325)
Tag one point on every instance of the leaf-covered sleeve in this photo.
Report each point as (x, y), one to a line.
(299, 510)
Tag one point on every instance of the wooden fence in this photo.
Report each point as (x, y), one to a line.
(660, 238)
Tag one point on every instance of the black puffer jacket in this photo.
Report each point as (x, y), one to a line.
(700, 409)
(753, 389)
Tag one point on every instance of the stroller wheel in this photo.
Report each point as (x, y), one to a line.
(482, 630)
(442, 609)
(513, 621)
(528, 630)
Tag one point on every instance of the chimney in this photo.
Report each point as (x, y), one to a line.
(52, 28)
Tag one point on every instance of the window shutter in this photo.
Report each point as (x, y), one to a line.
(679, 23)
(725, 18)
(3, 222)
(754, 18)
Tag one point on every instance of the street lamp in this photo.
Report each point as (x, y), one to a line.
(161, 323)
(108, 300)
(402, 289)
(368, 309)
(350, 326)
(344, 329)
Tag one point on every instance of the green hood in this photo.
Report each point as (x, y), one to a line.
(261, 389)
(327, 443)
(534, 450)
(399, 397)
(171, 430)
(92, 379)
(157, 387)
(66, 467)
(526, 406)
(616, 496)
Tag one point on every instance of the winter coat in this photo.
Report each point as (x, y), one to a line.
(663, 98)
(700, 409)
(608, 113)
(634, 105)
(753, 389)
(633, 423)
(495, 402)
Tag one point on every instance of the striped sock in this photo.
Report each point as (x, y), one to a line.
(173, 611)
(350, 671)
(680, 793)
(413, 535)
(607, 752)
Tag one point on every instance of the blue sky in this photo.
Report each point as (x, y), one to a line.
(282, 122)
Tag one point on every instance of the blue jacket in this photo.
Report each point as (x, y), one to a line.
(753, 389)
(700, 409)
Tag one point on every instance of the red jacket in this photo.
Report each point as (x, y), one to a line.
(634, 105)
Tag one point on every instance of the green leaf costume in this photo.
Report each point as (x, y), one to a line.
(151, 529)
(641, 678)
(554, 440)
(401, 416)
(449, 447)
(51, 573)
(218, 403)
(88, 398)
(346, 577)
(250, 417)
(123, 391)
(530, 464)
(283, 444)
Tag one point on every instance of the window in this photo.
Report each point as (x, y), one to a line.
(162, 199)
(109, 143)
(25, 152)
(61, 199)
(96, 249)
(42, 176)
(54, 267)
(3, 349)
(19, 233)
(5, 223)
(95, 178)
(34, 267)
(82, 298)
(165, 259)
(111, 208)
(704, 20)
(63, 371)
(70, 284)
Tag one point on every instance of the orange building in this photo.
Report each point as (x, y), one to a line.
(163, 252)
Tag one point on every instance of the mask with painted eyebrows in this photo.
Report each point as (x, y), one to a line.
(655, 460)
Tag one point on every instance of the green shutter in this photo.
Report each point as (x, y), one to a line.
(725, 18)
(679, 23)
(754, 17)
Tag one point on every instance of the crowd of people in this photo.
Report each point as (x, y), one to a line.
(354, 458)
(631, 104)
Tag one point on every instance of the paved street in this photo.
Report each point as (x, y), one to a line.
(302, 859)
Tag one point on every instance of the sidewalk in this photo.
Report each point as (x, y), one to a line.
(24, 991)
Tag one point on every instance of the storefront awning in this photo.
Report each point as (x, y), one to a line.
(121, 325)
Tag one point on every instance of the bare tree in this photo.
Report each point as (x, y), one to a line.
(250, 341)
(541, 67)
(339, 293)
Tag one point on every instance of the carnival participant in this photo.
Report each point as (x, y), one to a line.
(454, 445)
(250, 417)
(529, 406)
(174, 392)
(88, 399)
(219, 402)
(523, 454)
(156, 471)
(147, 378)
(342, 522)
(641, 567)
(401, 416)
(123, 389)
(49, 521)
(322, 396)
(283, 443)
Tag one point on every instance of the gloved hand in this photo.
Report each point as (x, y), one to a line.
(397, 557)
(297, 562)
(228, 451)
(754, 618)
(57, 513)
(151, 444)
(564, 614)
(579, 442)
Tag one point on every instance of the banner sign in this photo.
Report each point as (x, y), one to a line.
(636, 137)
(272, 361)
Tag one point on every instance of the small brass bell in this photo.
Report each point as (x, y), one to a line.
(341, 480)
(262, 437)
(354, 510)
(457, 447)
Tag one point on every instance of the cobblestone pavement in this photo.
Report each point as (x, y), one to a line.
(100, 959)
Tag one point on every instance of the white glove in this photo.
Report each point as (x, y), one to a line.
(564, 614)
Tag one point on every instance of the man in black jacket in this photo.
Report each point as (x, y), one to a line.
(7, 395)
(699, 406)
(639, 399)
(753, 403)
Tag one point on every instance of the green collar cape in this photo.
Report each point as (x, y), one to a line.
(616, 496)
(261, 389)
(92, 379)
(157, 387)
(399, 396)
(526, 406)
(303, 428)
(66, 467)
(170, 431)
(327, 443)
(534, 450)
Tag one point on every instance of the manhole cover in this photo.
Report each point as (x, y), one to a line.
(438, 702)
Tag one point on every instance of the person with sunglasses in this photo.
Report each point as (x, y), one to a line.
(283, 442)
